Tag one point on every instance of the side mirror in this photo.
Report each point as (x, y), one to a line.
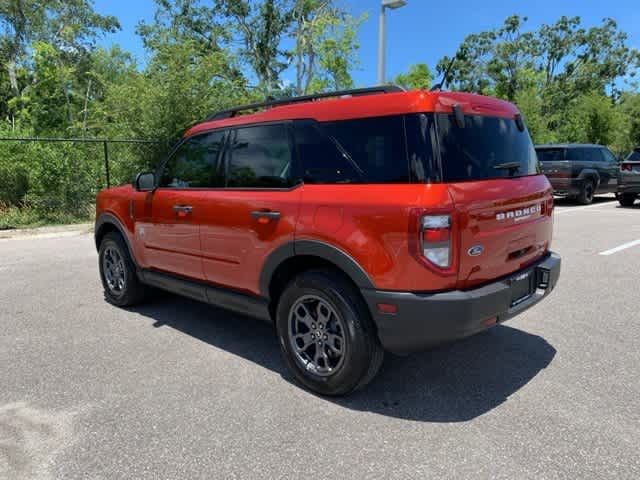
(145, 182)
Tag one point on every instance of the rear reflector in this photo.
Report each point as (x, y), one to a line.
(387, 308)
(625, 167)
(490, 321)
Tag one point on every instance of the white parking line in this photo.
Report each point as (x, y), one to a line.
(624, 246)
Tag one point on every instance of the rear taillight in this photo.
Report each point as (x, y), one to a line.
(625, 167)
(547, 207)
(435, 239)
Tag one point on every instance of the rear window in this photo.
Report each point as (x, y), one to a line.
(550, 154)
(633, 156)
(487, 147)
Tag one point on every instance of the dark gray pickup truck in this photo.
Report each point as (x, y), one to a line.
(579, 171)
(629, 181)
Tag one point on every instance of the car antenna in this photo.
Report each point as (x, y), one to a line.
(440, 86)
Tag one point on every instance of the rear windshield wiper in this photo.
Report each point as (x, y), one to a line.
(507, 166)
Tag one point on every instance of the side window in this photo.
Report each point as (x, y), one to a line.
(260, 157)
(376, 146)
(589, 154)
(196, 163)
(322, 161)
(608, 156)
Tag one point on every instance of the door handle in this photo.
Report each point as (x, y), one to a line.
(265, 215)
(183, 209)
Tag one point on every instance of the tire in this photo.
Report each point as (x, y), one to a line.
(118, 272)
(587, 192)
(350, 354)
(627, 199)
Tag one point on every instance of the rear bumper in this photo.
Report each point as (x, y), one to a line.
(631, 187)
(566, 186)
(424, 320)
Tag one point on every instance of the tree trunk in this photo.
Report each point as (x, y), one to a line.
(13, 77)
(86, 107)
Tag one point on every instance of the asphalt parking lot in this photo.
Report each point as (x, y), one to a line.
(176, 389)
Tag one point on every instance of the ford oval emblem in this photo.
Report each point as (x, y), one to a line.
(475, 250)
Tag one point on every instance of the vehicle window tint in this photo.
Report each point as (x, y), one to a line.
(195, 164)
(486, 147)
(421, 136)
(550, 154)
(634, 156)
(322, 161)
(260, 157)
(608, 156)
(376, 147)
(588, 154)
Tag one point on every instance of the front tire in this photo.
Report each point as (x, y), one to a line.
(587, 192)
(627, 199)
(326, 334)
(118, 272)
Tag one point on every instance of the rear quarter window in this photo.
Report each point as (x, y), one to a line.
(376, 147)
(585, 154)
(321, 159)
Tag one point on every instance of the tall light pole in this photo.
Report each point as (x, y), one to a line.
(392, 4)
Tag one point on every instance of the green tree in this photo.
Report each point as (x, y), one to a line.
(260, 28)
(491, 62)
(590, 118)
(21, 21)
(629, 131)
(325, 46)
(70, 27)
(565, 77)
(418, 77)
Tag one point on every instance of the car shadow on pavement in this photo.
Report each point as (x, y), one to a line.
(452, 383)
(569, 202)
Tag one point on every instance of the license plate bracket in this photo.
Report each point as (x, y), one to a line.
(521, 287)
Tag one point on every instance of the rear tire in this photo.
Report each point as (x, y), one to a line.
(627, 199)
(326, 334)
(587, 192)
(118, 272)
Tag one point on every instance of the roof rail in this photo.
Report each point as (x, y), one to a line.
(356, 92)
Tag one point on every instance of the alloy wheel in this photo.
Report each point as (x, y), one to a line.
(317, 335)
(114, 270)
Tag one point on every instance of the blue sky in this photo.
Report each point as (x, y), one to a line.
(421, 32)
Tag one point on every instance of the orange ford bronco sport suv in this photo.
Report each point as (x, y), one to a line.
(355, 221)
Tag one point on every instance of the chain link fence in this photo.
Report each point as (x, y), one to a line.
(48, 176)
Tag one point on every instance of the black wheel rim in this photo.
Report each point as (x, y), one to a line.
(589, 192)
(114, 270)
(317, 335)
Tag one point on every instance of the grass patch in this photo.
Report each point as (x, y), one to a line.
(28, 217)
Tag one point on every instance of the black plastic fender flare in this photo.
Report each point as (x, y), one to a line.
(312, 248)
